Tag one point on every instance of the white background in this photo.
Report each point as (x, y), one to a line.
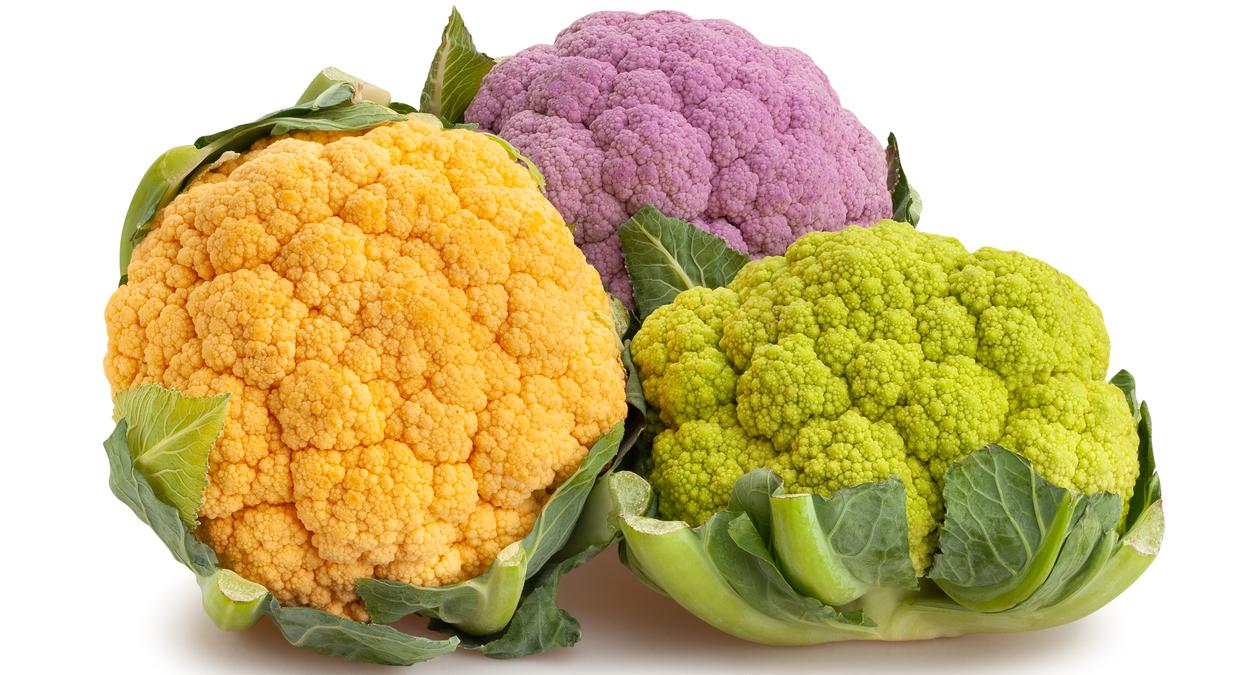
(1095, 136)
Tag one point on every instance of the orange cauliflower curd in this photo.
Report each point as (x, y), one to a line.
(416, 353)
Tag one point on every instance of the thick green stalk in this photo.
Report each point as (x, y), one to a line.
(672, 556)
(231, 601)
(500, 596)
(805, 554)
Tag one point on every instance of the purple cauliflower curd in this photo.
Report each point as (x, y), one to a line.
(697, 118)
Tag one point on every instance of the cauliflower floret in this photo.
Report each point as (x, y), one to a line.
(417, 354)
(870, 353)
(694, 466)
(697, 118)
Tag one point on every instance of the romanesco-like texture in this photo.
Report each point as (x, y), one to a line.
(870, 353)
(416, 352)
(696, 118)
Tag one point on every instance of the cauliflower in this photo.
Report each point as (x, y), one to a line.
(415, 351)
(697, 118)
(871, 353)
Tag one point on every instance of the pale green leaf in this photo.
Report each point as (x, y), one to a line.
(170, 436)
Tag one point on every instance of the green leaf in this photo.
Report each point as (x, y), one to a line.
(616, 494)
(1147, 489)
(160, 184)
(332, 635)
(1099, 519)
(1003, 530)
(739, 552)
(634, 446)
(338, 106)
(867, 528)
(538, 624)
(456, 72)
(485, 604)
(666, 256)
(752, 495)
(905, 202)
(1126, 384)
(131, 487)
(835, 548)
(482, 605)
(556, 521)
(170, 437)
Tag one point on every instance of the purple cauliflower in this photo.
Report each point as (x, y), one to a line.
(697, 118)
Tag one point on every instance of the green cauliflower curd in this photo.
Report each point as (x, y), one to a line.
(870, 353)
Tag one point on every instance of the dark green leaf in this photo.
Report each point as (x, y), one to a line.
(455, 74)
(636, 414)
(1147, 486)
(360, 642)
(1126, 384)
(867, 528)
(905, 202)
(538, 624)
(666, 256)
(556, 521)
(1003, 529)
(1100, 517)
(131, 487)
(752, 496)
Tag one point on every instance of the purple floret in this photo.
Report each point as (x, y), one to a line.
(697, 118)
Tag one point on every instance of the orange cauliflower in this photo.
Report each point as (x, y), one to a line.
(416, 353)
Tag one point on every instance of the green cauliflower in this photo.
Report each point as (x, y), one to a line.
(870, 353)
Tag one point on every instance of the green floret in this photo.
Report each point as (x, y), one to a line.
(870, 353)
(953, 407)
(695, 465)
(785, 386)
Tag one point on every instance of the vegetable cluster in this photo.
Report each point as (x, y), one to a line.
(360, 368)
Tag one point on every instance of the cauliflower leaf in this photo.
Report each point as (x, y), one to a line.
(455, 74)
(666, 256)
(170, 437)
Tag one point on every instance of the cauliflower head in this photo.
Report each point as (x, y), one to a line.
(870, 353)
(696, 118)
(416, 352)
